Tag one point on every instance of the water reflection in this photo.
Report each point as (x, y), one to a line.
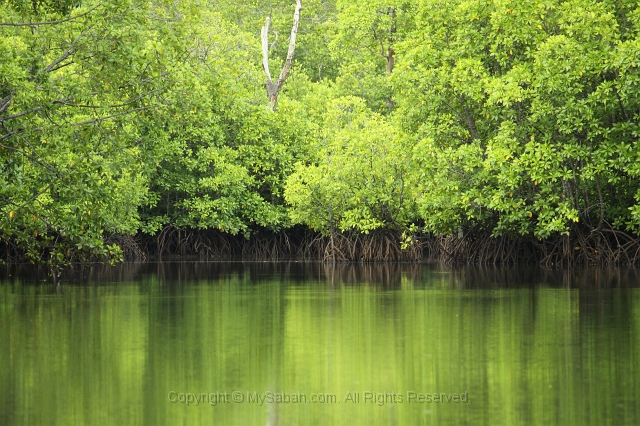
(109, 344)
(385, 275)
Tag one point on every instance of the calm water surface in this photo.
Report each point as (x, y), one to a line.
(327, 345)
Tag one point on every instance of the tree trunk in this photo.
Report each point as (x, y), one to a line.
(273, 89)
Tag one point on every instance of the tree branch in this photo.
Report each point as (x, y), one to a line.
(264, 35)
(33, 24)
(292, 45)
(66, 53)
(101, 119)
(273, 89)
(20, 114)
(5, 103)
(8, 135)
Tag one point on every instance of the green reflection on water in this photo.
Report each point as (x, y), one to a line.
(528, 349)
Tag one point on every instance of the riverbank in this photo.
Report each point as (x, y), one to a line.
(581, 247)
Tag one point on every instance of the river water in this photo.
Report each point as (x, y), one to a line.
(196, 343)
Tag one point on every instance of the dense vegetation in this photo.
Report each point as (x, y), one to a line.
(494, 128)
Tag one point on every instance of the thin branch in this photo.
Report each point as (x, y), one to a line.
(67, 52)
(273, 45)
(5, 103)
(264, 35)
(8, 135)
(29, 156)
(468, 118)
(33, 24)
(292, 45)
(132, 101)
(36, 109)
(20, 114)
(62, 66)
(101, 119)
(375, 36)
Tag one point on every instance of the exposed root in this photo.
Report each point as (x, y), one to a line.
(130, 248)
(604, 246)
(384, 246)
(480, 249)
(300, 243)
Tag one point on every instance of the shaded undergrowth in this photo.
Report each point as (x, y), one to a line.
(604, 246)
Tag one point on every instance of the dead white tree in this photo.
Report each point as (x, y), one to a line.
(274, 88)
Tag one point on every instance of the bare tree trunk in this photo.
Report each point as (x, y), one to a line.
(273, 89)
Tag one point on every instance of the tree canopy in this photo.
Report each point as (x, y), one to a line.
(516, 119)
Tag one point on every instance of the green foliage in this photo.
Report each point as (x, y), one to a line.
(526, 114)
(357, 179)
(518, 118)
(76, 86)
(226, 155)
